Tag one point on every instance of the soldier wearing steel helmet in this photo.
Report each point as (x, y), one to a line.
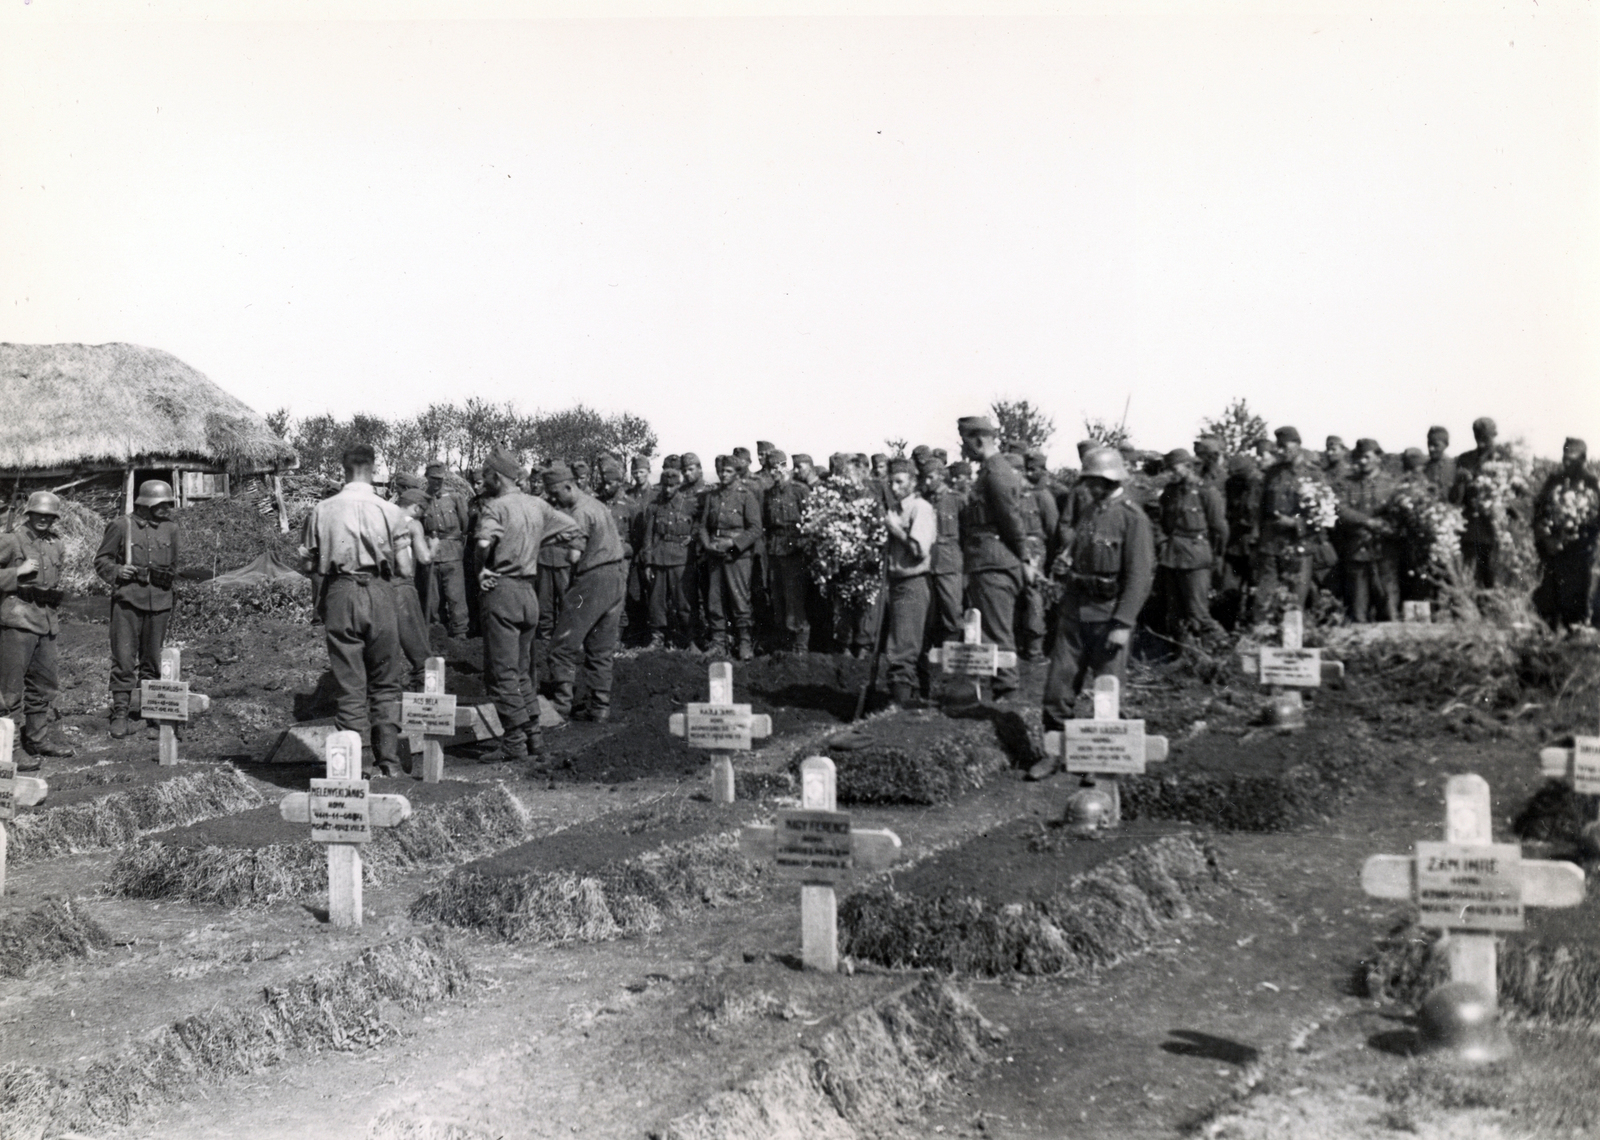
(138, 558)
(30, 600)
(1106, 569)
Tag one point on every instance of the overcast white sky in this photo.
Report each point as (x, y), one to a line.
(822, 227)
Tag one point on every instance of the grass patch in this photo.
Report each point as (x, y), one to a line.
(435, 835)
(340, 1008)
(53, 930)
(122, 817)
(1095, 919)
(883, 1065)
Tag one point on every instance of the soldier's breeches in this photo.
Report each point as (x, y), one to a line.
(1082, 649)
(136, 639)
(362, 632)
(1031, 616)
(669, 600)
(28, 673)
(944, 611)
(447, 595)
(728, 595)
(908, 619)
(1481, 554)
(1187, 594)
(1563, 595)
(590, 621)
(994, 595)
(1290, 572)
(413, 634)
(1372, 587)
(789, 585)
(551, 588)
(509, 614)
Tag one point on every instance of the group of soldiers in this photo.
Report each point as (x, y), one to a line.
(549, 566)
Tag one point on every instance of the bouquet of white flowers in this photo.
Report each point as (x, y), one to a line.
(1318, 504)
(1431, 529)
(1570, 514)
(843, 535)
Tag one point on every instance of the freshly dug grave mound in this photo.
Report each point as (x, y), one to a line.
(258, 858)
(1030, 899)
(856, 1076)
(51, 931)
(915, 759)
(92, 816)
(623, 873)
(1556, 814)
(1265, 782)
(337, 1008)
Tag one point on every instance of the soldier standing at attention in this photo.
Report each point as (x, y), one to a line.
(994, 540)
(1209, 463)
(30, 622)
(1440, 470)
(511, 530)
(639, 478)
(668, 531)
(1194, 532)
(913, 530)
(1041, 515)
(408, 607)
(805, 470)
(1335, 460)
(730, 527)
(1282, 559)
(1106, 568)
(625, 511)
(1479, 540)
(1566, 525)
(1242, 497)
(945, 578)
(960, 473)
(591, 613)
(781, 507)
(1079, 500)
(580, 473)
(697, 575)
(351, 543)
(446, 519)
(1367, 548)
(138, 558)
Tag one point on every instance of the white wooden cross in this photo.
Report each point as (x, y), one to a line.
(15, 790)
(1471, 886)
(1580, 764)
(1290, 667)
(817, 846)
(1106, 747)
(170, 702)
(721, 728)
(429, 718)
(1416, 613)
(971, 656)
(342, 812)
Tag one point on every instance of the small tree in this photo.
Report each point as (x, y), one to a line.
(1237, 427)
(1021, 422)
(1107, 434)
(278, 422)
(897, 447)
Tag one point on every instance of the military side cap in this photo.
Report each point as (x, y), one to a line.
(765, 445)
(437, 470)
(740, 453)
(880, 455)
(1484, 424)
(504, 462)
(672, 463)
(610, 468)
(940, 454)
(1208, 445)
(776, 457)
(1175, 457)
(1414, 456)
(900, 464)
(640, 463)
(723, 461)
(412, 497)
(929, 463)
(689, 458)
(1334, 441)
(556, 474)
(1438, 433)
(1016, 461)
(960, 467)
(801, 457)
(920, 452)
(976, 425)
(859, 457)
(1033, 455)
(1287, 435)
(1366, 446)
(1575, 442)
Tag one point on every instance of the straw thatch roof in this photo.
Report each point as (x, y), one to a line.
(89, 406)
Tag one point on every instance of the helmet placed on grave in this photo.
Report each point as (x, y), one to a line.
(1460, 1017)
(1088, 812)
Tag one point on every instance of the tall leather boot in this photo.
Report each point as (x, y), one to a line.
(747, 648)
(36, 738)
(513, 747)
(119, 715)
(386, 749)
(561, 698)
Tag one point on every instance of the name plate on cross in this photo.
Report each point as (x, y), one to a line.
(971, 656)
(8, 790)
(717, 728)
(164, 700)
(341, 811)
(1291, 668)
(813, 846)
(1115, 747)
(1469, 886)
(430, 714)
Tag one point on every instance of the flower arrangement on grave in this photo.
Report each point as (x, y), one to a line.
(1490, 501)
(1570, 515)
(843, 535)
(1431, 529)
(1318, 504)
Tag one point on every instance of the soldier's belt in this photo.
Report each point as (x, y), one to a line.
(40, 596)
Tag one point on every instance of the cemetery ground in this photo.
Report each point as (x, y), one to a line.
(587, 953)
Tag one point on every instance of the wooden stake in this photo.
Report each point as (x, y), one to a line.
(819, 911)
(171, 668)
(432, 746)
(344, 859)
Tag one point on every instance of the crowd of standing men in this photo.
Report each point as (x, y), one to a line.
(550, 566)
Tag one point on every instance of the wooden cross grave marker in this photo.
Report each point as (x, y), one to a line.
(971, 656)
(1470, 886)
(721, 728)
(170, 702)
(1578, 765)
(342, 811)
(1106, 747)
(1416, 613)
(1290, 667)
(429, 718)
(15, 791)
(817, 846)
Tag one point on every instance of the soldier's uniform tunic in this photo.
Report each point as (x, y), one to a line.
(1479, 543)
(1242, 494)
(1039, 517)
(1368, 553)
(591, 612)
(447, 521)
(994, 546)
(1194, 528)
(142, 606)
(790, 583)
(1109, 559)
(732, 513)
(946, 569)
(1282, 557)
(30, 623)
(669, 527)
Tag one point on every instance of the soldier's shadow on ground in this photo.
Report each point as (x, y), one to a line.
(1192, 1043)
(291, 777)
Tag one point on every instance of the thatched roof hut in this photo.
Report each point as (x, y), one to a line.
(75, 409)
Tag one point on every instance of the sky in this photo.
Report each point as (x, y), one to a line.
(829, 224)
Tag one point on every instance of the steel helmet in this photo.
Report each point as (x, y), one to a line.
(44, 503)
(1088, 812)
(153, 491)
(1105, 463)
(1460, 1017)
